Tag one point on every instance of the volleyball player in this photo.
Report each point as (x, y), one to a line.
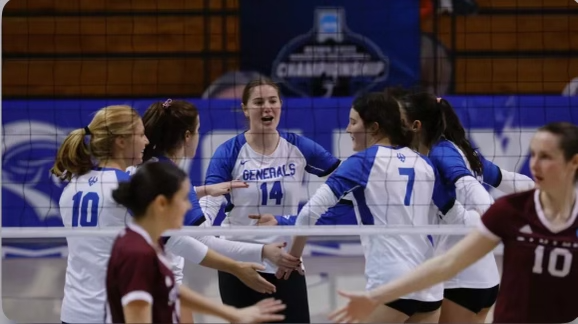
(274, 164)
(391, 184)
(140, 286)
(94, 159)
(172, 128)
(539, 231)
(468, 296)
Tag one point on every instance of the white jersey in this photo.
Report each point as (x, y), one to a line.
(452, 165)
(390, 186)
(275, 181)
(87, 202)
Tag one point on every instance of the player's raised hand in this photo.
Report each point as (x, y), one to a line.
(263, 311)
(264, 219)
(247, 273)
(359, 307)
(275, 253)
(223, 188)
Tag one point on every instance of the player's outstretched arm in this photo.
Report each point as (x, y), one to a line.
(513, 182)
(436, 270)
(251, 252)
(264, 311)
(194, 251)
(336, 215)
(219, 189)
(246, 272)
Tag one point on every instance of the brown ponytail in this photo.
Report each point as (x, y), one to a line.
(73, 157)
(85, 146)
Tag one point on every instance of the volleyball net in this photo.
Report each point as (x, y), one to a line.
(33, 233)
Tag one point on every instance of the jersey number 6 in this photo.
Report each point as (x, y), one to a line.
(80, 209)
(410, 173)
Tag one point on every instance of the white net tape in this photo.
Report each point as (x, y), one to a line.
(324, 230)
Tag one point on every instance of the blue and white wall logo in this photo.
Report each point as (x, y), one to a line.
(330, 60)
(29, 193)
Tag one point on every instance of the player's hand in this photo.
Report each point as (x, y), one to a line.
(223, 188)
(285, 273)
(360, 306)
(247, 273)
(263, 311)
(275, 253)
(265, 219)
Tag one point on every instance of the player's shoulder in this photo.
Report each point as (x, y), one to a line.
(107, 175)
(98, 179)
(516, 203)
(131, 244)
(444, 149)
(303, 143)
(368, 153)
(232, 146)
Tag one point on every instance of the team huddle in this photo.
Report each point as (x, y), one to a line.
(413, 165)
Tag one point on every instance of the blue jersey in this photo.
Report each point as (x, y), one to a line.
(452, 165)
(275, 181)
(390, 186)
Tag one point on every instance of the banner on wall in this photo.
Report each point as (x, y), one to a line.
(501, 127)
(316, 50)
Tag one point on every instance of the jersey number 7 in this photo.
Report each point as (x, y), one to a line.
(410, 173)
(80, 212)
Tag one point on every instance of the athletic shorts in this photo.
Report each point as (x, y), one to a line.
(293, 293)
(473, 299)
(411, 307)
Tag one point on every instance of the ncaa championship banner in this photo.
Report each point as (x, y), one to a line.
(501, 127)
(319, 50)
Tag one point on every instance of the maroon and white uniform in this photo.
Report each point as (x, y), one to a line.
(137, 271)
(540, 268)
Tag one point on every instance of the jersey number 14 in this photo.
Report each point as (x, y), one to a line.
(85, 209)
(275, 194)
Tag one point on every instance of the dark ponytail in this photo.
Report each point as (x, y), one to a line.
(456, 133)
(378, 107)
(166, 124)
(425, 108)
(152, 179)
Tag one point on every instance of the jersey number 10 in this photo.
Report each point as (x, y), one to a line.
(80, 212)
(558, 257)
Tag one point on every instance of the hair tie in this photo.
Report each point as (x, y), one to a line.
(87, 131)
(167, 103)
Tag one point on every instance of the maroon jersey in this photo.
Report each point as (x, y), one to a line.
(136, 271)
(540, 267)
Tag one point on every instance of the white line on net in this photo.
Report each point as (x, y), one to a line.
(321, 230)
